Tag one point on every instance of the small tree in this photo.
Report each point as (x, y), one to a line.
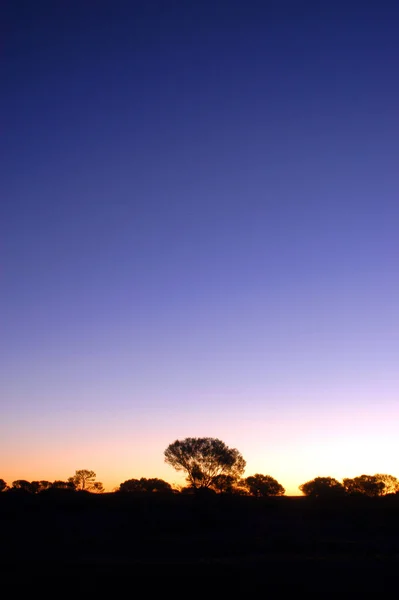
(84, 480)
(203, 459)
(3, 485)
(63, 485)
(263, 485)
(322, 487)
(146, 486)
(155, 485)
(132, 486)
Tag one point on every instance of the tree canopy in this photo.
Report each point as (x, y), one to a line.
(63, 485)
(24, 486)
(204, 459)
(144, 485)
(322, 487)
(364, 485)
(85, 480)
(263, 485)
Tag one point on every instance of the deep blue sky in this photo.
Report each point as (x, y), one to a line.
(199, 221)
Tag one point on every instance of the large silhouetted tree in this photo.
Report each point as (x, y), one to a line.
(323, 487)
(263, 485)
(84, 480)
(3, 485)
(144, 485)
(203, 459)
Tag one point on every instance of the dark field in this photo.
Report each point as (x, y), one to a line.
(217, 545)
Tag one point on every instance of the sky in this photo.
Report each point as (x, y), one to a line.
(199, 234)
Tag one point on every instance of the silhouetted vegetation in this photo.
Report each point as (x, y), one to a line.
(63, 485)
(86, 480)
(144, 485)
(323, 487)
(203, 460)
(226, 484)
(365, 485)
(25, 486)
(263, 486)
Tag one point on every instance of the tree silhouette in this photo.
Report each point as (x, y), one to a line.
(146, 486)
(24, 486)
(3, 485)
(322, 487)
(33, 487)
(40, 486)
(63, 485)
(364, 485)
(203, 459)
(263, 485)
(84, 480)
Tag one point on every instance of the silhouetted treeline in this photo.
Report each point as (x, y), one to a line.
(254, 485)
(363, 485)
(212, 467)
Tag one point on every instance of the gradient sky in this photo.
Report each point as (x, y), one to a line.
(199, 236)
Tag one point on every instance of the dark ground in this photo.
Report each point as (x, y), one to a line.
(216, 545)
